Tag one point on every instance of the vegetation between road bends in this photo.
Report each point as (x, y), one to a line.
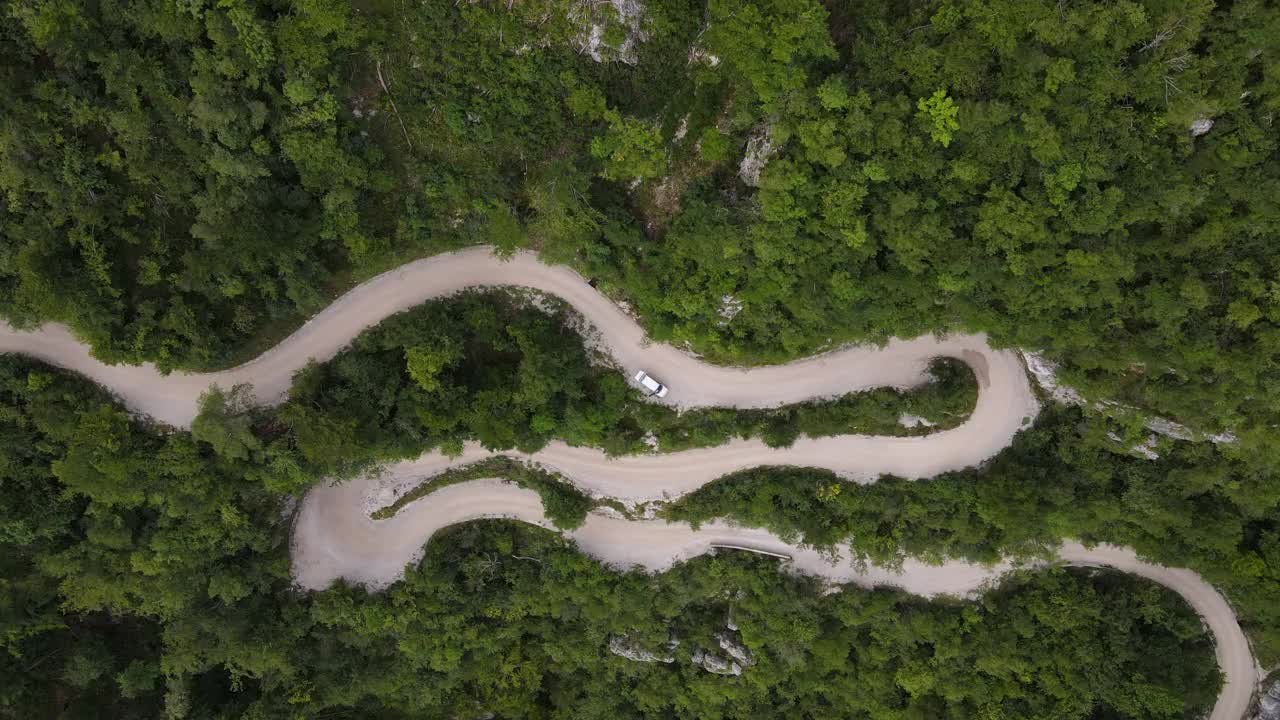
(1064, 478)
(185, 182)
(147, 575)
(565, 505)
(108, 522)
(513, 373)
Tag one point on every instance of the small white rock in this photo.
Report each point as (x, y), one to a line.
(1201, 126)
(914, 421)
(683, 129)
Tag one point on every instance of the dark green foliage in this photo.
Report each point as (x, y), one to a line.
(1069, 208)
(72, 665)
(530, 619)
(225, 424)
(1061, 479)
(181, 578)
(945, 401)
(565, 505)
(104, 528)
(186, 181)
(492, 366)
(176, 180)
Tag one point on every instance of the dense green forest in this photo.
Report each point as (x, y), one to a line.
(186, 182)
(183, 183)
(148, 574)
(492, 367)
(512, 374)
(146, 566)
(1061, 479)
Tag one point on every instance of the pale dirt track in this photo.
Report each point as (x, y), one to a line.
(335, 538)
(172, 399)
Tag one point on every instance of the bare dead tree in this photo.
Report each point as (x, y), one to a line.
(488, 565)
(1179, 63)
(1162, 36)
(394, 109)
(1169, 84)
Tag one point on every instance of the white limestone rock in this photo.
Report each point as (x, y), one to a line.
(698, 55)
(1045, 373)
(594, 20)
(730, 306)
(760, 148)
(1269, 704)
(914, 421)
(713, 663)
(682, 129)
(735, 649)
(627, 648)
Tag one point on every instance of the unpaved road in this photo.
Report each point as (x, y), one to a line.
(172, 398)
(335, 537)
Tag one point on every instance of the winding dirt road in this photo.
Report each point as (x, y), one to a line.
(334, 536)
(172, 399)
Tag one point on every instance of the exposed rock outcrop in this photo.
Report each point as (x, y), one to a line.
(682, 129)
(735, 649)
(1201, 126)
(713, 663)
(730, 306)
(625, 647)
(760, 148)
(1269, 705)
(1147, 449)
(610, 30)
(700, 55)
(914, 421)
(1045, 373)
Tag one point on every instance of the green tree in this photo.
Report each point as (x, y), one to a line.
(630, 148)
(425, 363)
(225, 422)
(938, 112)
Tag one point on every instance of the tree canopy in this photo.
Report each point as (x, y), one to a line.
(186, 182)
(1093, 180)
(147, 575)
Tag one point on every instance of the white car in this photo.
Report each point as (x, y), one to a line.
(653, 386)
